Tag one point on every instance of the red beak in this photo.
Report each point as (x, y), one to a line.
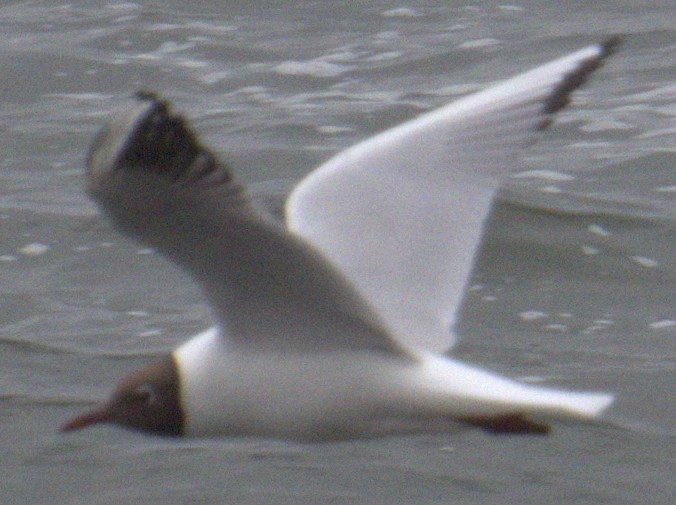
(96, 416)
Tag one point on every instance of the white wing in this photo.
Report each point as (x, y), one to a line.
(401, 214)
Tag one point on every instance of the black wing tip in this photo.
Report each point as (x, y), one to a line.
(146, 95)
(610, 45)
(147, 136)
(163, 142)
(508, 424)
(154, 99)
(560, 96)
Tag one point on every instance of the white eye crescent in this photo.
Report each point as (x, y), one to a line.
(147, 393)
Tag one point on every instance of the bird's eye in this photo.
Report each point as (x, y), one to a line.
(145, 393)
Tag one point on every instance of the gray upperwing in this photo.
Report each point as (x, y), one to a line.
(268, 289)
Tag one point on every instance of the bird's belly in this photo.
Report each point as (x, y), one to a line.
(339, 395)
(306, 396)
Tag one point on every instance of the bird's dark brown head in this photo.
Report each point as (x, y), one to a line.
(147, 400)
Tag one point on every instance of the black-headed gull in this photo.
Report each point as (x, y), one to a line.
(334, 327)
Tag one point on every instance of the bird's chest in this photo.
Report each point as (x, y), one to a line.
(305, 397)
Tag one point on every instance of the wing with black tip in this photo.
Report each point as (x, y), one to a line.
(268, 289)
(402, 213)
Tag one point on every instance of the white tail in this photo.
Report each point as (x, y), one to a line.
(581, 405)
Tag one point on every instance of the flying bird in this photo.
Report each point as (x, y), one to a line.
(334, 326)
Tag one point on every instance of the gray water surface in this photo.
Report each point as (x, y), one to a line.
(575, 285)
